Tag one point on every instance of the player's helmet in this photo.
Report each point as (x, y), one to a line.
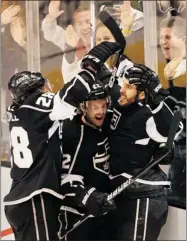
(98, 91)
(23, 83)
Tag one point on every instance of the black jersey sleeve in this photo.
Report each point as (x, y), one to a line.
(85, 165)
(146, 119)
(67, 100)
(163, 117)
(34, 112)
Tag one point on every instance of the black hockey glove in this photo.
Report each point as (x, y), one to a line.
(96, 202)
(98, 55)
(147, 80)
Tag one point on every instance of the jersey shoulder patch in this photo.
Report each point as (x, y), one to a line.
(42, 102)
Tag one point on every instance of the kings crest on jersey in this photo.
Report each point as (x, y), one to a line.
(101, 158)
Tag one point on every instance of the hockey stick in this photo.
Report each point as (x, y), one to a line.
(111, 24)
(171, 135)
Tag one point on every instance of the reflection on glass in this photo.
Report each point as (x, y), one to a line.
(173, 46)
(172, 35)
(15, 16)
(13, 39)
(73, 40)
(14, 58)
(163, 6)
(129, 16)
(126, 15)
(4, 149)
(103, 34)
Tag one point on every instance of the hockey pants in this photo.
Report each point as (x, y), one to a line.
(94, 229)
(35, 219)
(138, 219)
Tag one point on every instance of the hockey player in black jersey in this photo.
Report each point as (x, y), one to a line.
(177, 172)
(135, 133)
(32, 205)
(85, 169)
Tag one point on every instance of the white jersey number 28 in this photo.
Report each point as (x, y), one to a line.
(21, 153)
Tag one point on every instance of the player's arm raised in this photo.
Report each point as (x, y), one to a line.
(67, 100)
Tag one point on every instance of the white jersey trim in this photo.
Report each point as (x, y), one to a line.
(71, 210)
(144, 141)
(103, 142)
(21, 200)
(158, 108)
(77, 150)
(72, 178)
(35, 219)
(153, 132)
(136, 219)
(37, 109)
(146, 219)
(53, 128)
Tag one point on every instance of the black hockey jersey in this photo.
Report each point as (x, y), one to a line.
(163, 117)
(176, 101)
(35, 140)
(133, 137)
(85, 160)
(35, 149)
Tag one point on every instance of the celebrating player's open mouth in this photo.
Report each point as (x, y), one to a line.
(95, 108)
(97, 111)
(99, 119)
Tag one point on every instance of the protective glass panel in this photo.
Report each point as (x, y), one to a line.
(14, 59)
(129, 17)
(171, 22)
(65, 38)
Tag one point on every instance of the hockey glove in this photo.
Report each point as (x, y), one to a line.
(98, 55)
(96, 202)
(147, 80)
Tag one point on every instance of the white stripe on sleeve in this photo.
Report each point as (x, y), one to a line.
(153, 132)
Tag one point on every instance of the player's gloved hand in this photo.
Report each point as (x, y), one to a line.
(96, 202)
(148, 80)
(98, 55)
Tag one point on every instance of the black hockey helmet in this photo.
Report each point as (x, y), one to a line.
(23, 83)
(98, 91)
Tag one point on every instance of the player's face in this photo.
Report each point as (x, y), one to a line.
(171, 45)
(104, 34)
(82, 25)
(128, 94)
(96, 111)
